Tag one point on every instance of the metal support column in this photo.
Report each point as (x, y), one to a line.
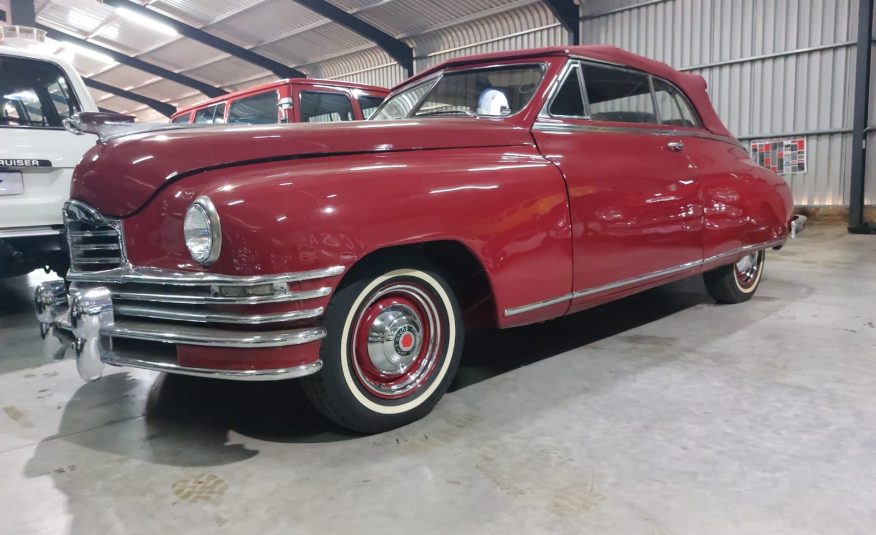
(23, 13)
(861, 119)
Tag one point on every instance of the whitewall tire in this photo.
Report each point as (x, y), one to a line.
(394, 341)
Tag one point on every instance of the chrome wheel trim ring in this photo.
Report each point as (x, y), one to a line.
(747, 270)
(412, 367)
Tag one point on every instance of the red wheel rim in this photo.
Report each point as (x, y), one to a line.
(397, 340)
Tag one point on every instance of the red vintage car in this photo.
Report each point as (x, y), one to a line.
(495, 190)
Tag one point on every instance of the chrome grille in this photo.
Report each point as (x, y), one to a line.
(95, 241)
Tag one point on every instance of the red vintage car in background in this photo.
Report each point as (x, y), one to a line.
(293, 100)
(495, 190)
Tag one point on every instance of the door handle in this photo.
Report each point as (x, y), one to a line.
(675, 146)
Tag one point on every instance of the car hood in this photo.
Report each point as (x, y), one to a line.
(121, 174)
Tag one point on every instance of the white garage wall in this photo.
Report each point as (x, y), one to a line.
(774, 67)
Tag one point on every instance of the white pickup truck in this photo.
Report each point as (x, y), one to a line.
(37, 157)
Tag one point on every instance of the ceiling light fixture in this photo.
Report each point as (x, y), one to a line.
(143, 20)
(80, 50)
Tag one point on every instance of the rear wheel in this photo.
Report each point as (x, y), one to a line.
(394, 342)
(737, 282)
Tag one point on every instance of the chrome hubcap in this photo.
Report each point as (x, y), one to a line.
(747, 267)
(394, 339)
(397, 340)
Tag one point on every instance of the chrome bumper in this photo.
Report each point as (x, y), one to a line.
(797, 225)
(82, 325)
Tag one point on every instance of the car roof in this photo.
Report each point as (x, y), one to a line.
(603, 53)
(693, 85)
(29, 53)
(280, 83)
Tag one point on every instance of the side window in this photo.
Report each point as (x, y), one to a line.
(673, 106)
(182, 119)
(401, 104)
(214, 114)
(205, 115)
(619, 95)
(60, 96)
(569, 101)
(369, 105)
(34, 93)
(325, 107)
(219, 116)
(255, 109)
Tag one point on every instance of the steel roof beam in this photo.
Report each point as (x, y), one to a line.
(161, 107)
(125, 59)
(568, 14)
(396, 48)
(196, 34)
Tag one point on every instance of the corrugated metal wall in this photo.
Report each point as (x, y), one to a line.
(529, 26)
(519, 24)
(774, 68)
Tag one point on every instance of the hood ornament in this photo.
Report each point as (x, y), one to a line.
(112, 125)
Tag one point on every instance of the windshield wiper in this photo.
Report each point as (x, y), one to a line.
(441, 111)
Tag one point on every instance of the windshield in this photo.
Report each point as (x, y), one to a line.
(491, 92)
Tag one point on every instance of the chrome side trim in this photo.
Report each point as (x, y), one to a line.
(201, 336)
(543, 125)
(202, 316)
(637, 280)
(743, 249)
(633, 281)
(209, 299)
(29, 232)
(114, 359)
(535, 306)
(189, 278)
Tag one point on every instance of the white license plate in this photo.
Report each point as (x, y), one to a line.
(11, 183)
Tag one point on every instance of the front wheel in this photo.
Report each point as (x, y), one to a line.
(737, 282)
(394, 341)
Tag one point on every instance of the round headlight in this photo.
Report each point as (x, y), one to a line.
(202, 233)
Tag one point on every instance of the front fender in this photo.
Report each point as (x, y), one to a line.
(508, 206)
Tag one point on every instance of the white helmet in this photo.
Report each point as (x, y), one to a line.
(493, 102)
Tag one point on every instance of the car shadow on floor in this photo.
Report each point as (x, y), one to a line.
(187, 420)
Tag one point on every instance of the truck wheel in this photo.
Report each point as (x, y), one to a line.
(737, 282)
(395, 337)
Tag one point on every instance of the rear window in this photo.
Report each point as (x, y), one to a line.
(673, 106)
(619, 95)
(34, 94)
(369, 105)
(214, 114)
(319, 107)
(255, 109)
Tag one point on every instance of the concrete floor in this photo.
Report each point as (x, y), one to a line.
(662, 413)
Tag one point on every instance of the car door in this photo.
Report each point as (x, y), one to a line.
(635, 202)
